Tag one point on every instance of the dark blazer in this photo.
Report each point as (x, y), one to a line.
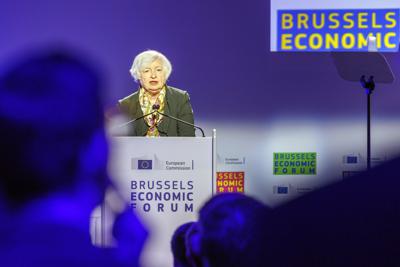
(177, 104)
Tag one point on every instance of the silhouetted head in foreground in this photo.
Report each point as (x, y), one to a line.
(230, 232)
(51, 128)
(351, 223)
(178, 245)
(53, 162)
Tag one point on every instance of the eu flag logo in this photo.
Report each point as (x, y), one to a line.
(282, 190)
(351, 159)
(145, 164)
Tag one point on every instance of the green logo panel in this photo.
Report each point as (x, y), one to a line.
(295, 163)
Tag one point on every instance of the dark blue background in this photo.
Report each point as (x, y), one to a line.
(219, 51)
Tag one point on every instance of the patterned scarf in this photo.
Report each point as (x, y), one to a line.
(147, 106)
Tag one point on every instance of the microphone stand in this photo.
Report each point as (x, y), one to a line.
(369, 87)
(184, 122)
(134, 120)
(155, 110)
(355, 67)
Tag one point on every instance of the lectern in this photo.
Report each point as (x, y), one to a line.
(165, 181)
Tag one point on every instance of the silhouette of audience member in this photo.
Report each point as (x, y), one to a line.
(53, 162)
(230, 232)
(178, 245)
(351, 223)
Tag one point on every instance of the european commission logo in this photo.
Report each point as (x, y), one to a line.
(351, 159)
(144, 164)
(281, 189)
(155, 163)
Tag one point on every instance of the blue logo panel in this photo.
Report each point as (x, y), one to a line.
(145, 164)
(351, 159)
(338, 30)
(282, 190)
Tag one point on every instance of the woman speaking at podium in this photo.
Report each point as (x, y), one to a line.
(151, 70)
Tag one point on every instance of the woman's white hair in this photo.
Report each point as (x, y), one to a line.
(145, 58)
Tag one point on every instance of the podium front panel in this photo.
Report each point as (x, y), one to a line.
(165, 181)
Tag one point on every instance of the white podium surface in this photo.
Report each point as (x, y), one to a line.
(166, 181)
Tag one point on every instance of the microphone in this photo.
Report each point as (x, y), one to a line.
(134, 120)
(157, 106)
